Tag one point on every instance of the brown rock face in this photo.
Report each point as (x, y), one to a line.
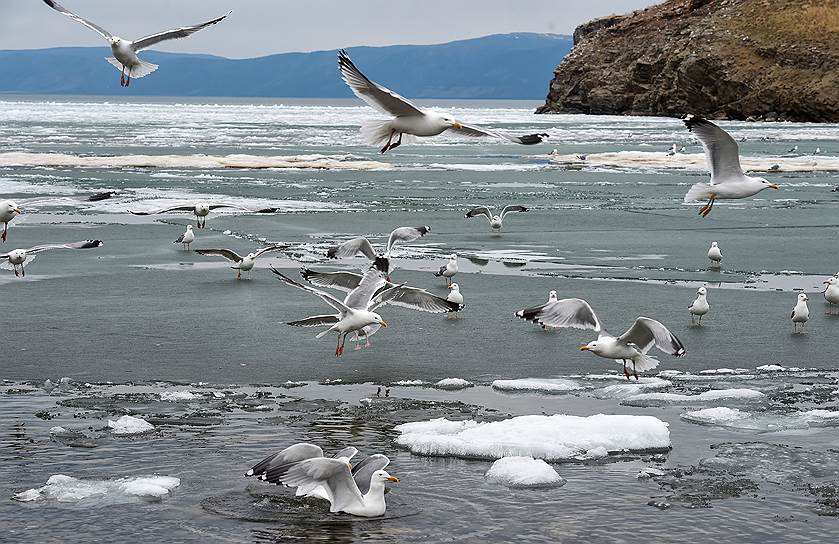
(725, 59)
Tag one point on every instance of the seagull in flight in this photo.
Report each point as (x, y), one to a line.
(408, 119)
(727, 178)
(201, 210)
(245, 263)
(19, 258)
(362, 246)
(125, 52)
(495, 220)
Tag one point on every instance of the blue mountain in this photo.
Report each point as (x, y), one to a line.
(509, 66)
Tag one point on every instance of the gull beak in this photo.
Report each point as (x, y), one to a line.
(774, 186)
(392, 479)
(450, 287)
(583, 348)
(18, 209)
(383, 323)
(457, 125)
(349, 466)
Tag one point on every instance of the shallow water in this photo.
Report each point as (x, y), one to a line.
(140, 313)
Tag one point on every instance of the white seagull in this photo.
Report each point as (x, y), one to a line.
(186, 238)
(800, 313)
(456, 297)
(408, 119)
(201, 210)
(22, 257)
(245, 263)
(723, 156)
(8, 211)
(362, 246)
(831, 293)
(632, 346)
(449, 269)
(495, 221)
(714, 254)
(699, 306)
(125, 52)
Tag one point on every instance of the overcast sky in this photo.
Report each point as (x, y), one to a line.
(262, 27)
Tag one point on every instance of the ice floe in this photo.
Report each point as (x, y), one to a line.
(558, 385)
(553, 438)
(453, 383)
(627, 389)
(714, 395)
(779, 368)
(694, 161)
(63, 488)
(178, 396)
(524, 472)
(409, 383)
(763, 421)
(130, 425)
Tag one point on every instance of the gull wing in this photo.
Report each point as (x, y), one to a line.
(405, 234)
(64, 11)
(721, 151)
(508, 209)
(292, 454)
(84, 244)
(362, 473)
(174, 34)
(352, 248)
(326, 297)
(269, 249)
(528, 139)
(376, 96)
(228, 254)
(567, 312)
(480, 210)
(413, 298)
(345, 281)
(184, 208)
(240, 207)
(361, 297)
(646, 333)
(332, 474)
(315, 321)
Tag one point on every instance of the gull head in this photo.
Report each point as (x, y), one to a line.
(802, 297)
(714, 244)
(449, 121)
(454, 287)
(115, 41)
(377, 319)
(17, 256)
(701, 291)
(202, 209)
(251, 256)
(832, 281)
(593, 347)
(552, 296)
(383, 476)
(453, 257)
(767, 184)
(189, 227)
(10, 207)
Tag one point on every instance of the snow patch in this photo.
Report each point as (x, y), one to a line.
(524, 472)
(178, 396)
(63, 488)
(664, 399)
(537, 385)
(453, 383)
(130, 425)
(765, 421)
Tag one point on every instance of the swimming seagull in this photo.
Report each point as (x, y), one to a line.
(495, 221)
(800, 313)
(22, 257)
(186, 238)
(714, 254)
(408, 119)
(201, 210)
(699, 306)
(723, 156)
(455, 297)
(831, 292)
(245, 263)
(125, 51)
(362, 246)
(449, 269)
(632, 346)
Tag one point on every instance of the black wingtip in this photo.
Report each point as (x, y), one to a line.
(90, 244)
(533, 139)
(50, 3)
(423, 230)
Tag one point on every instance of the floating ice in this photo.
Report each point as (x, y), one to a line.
(178, 396)
(763, 421)
(541, 386)
(524, 472)
(453, 383)
(409, 383)
(553, 438)
(627, 389)
(649, 472)
(664, 399)
(63, 488)
(779, 368)
(130, 425)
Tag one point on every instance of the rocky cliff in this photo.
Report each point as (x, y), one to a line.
(726, 59)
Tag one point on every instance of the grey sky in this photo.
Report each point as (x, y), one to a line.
(262, 27)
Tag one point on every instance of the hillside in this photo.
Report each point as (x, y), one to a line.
(512, 66)
(734, 59)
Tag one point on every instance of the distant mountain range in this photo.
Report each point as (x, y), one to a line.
(508, 66)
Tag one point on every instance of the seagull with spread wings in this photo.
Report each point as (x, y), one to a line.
(362, 246)
(125, 52)
(19, 258)
(201, 210)
(630, 347)
(495, 220)
(408, 119)
(727, 178)
(245, 263)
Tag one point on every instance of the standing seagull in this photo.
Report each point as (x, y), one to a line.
(449, 269)
(407, 118)
(699, 306)
(22, 257)
(456, 297)
(245, 263)
(201, 210)
(125, 52)
(362, 245)
(186, 238)
(8, 211)
(831, 293)
(715, 255)
(723, 156)
(631, 346)
(800, 313)
(495, 221)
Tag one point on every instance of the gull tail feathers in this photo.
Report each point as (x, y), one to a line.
(645, 362)
(376, 131)
(698, 192)
(137, 71)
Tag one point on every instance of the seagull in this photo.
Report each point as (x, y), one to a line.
(723, 156)
(817, 151)
(245, 263)
(495, 221)
(699, 306)
(186, 238)
(449, 269)
(456, 297)
(632, 346)
(202, 209)
(715, 255)
(831, 293)
(21, 257)
(8, 211)
(672, 150)
(408, 118)
(362, 245)
(794, 149)
(800, 313)
(125, 52)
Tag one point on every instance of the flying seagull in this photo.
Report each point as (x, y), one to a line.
(727, 178)
(201, 210)
(22, 257)
(495, 221)
(125, 52)
(408, 119)
(632, 346)
(245, 263)
(362, 246)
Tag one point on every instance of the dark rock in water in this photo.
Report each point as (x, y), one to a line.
(726, 59)
(100, 196)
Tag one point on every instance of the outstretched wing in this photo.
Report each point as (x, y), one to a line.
(405, 234)
(721, 151)
(362, 473)
(268, 250)
(376, 96)
(333, 474)
(184, 208)
(508, 209)
(64, 11)
(414, 299)
(228, 254)
(218, 205)
(326, 297)
(527, 139)
(370, 284)
(480, 210)
(315, 321)
(174, 34)
(352, 248)
(290, 455)
(344, 281)
(567, 312)
(84, 244)
(646, 333)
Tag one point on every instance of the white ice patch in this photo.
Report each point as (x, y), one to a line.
(178, 396)
(523, 472)
(409, 383)
(130, 425)
(553, 438)
(63, 488)
(714, 395)
(763, 421)
(779, 368)
(647, 160)
(627, 389)
(453, 383)
(535, 385)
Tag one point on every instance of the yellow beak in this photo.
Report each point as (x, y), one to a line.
(457, 125)
(383, 323)
(583, 348)
(19, 210)
(392, 479)
(774, 186)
